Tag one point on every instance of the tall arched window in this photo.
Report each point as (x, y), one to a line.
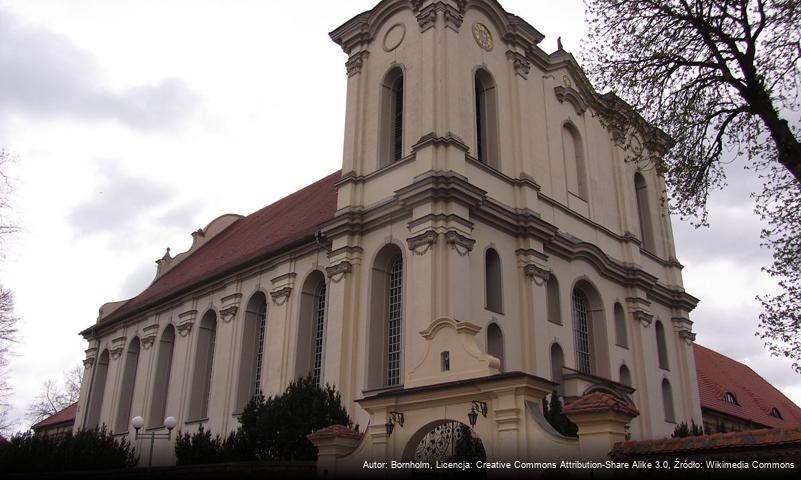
(391, 142)
(127, 387)
(97, 391)
(251, 356)
(311, 328)
(589, 330)
(492, 281)
(385, 334)
(486, 119)
(644, 212)
(667, 401)
(575, 166)
(204, 363)
(582, 328)
(625, 376)
(161, 378)
(620, 326)
(557, 362)
(661, 347)
(495, 342)
(552, 300)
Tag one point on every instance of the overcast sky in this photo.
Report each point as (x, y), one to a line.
(137, 122)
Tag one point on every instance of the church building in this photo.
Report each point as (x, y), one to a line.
(486, 241)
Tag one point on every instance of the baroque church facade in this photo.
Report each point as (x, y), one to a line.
(485, 242)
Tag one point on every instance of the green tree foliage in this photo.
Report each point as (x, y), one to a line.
(552, 410)
(683, 430)
(94, 449)
(276, 427)
(721, 78)
(200, 448)
(272, 428)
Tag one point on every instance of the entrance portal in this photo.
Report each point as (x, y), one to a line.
(450, 441)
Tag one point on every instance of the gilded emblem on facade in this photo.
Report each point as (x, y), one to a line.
(483, 36)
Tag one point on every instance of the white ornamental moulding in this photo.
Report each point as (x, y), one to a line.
(230, 305)
(537, 273)
(687, 336)
(452, 16)
(645, 318)
(117, 346)
(337, 272)
(420, 244)
(459, 242)
(149, 335)
(356, 62)
(89, 360)
(569, 94)
(521, 64)
(185, 322)
(281, 295)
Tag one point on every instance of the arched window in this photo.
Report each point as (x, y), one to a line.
(774, 412)
(204, 362)
(644, 212)
(486, 119)
(495, 342)
(311, 328)
(552, 300)
(575, 167)
(492, 281)
(589, 330)
(385, 335)
(557, 362)
(667, 401)
(661, 347)
(127, 386)
(582, 328)
(391, 142)
(161, 378)
(97, 391)
(620, 326)
(625, 376)
(251, 356)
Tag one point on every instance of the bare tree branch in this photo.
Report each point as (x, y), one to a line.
(715, 75)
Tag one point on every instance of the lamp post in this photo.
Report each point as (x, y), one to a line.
(478, 407)
(393, 418)
(138, 422)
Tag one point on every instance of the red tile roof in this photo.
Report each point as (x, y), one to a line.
(62, 416)
(600, 401)
(289, 220)
(334, 431)
(763, 437)
(718, 374)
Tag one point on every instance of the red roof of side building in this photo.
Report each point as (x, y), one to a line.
(66, 415)
(765, 437)
(267, 231)
(718, 374)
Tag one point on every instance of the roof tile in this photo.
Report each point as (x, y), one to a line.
(718, 374)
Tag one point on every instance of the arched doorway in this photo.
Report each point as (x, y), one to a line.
(448, 441)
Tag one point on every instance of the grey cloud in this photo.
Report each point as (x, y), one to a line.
(132, 210)
(45, 75)
(731, 332)
(138, 280)
(118, 202)
(182, 216)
